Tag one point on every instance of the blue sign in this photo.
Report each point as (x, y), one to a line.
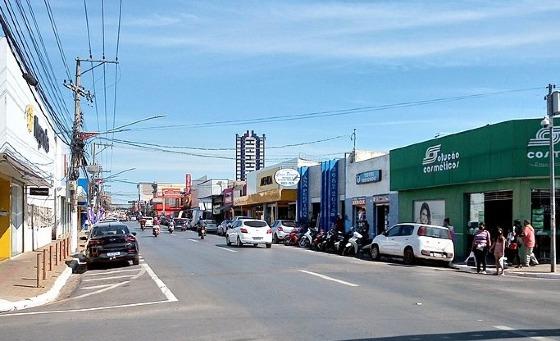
(367, 177)
(329, 193)
(303, 195)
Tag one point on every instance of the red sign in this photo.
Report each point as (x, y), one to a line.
(188, 184)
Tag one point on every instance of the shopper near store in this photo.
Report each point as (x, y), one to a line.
(481, 244)
(447, 223)
(498, 249)
(512, 246)
(528, 237)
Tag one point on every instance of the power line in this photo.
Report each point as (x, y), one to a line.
(91, 64)
(116, 75)
(340, 112)
(57, 38)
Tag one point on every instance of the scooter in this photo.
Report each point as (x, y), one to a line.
(306, 240)
(171, 227)
(340, 243)
(354, 244)
(201, 231)
(331, 240)
(317, 242)
(155, 230)
(292, 238)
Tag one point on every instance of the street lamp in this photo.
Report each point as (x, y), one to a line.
(553, 108)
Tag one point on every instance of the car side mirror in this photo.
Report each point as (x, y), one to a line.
(133, 233)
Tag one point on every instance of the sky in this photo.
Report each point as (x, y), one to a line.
(205, 61)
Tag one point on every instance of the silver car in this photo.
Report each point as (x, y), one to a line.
(211, 225)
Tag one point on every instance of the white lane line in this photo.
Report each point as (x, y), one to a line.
(110, 272)
(106, 278)
(95, 287)
(164, 289)
(329, 278)
(113, 286)
(84, 309)
(521, 333)
(194, 240)
(225, 248)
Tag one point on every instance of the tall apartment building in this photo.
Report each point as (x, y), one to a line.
(249, 154)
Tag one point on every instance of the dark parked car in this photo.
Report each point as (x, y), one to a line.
(111, 242)
(181, 223)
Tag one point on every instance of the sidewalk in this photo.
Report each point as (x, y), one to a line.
(537, 271)
(18, 279)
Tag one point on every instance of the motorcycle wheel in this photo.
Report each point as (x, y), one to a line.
(375, 252)
(202, 237)
(304, 243)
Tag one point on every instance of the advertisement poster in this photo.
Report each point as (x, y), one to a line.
(431, 212)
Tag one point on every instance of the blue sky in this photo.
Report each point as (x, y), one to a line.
(201, 61)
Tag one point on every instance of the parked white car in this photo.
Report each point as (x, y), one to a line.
(411, 241)
(281, 228)
(249, 231)
(222, 228)
(149, 221)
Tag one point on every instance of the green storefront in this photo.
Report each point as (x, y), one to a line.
(495, 174)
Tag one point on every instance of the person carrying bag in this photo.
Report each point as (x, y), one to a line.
(481, 244)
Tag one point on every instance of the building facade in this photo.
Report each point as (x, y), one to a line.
(34, 203)
(249, 154)
(493, 174)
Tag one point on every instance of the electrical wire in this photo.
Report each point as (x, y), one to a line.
(91, 64)
(116, 75)
(57, 38)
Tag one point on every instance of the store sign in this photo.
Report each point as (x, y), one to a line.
(431, 212)
(367, 177)
(381, 199)
(29, 115)
(538, 147)
(287, 177)
(358, 201)
(41, 135)
(437, 161)
(39, 191)
(303, 195)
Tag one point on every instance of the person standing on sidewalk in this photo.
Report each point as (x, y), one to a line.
(528, 242)
(481, 244)
(499, 248)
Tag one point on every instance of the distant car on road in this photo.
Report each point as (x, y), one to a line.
(149, 221)
(222, 228)
(249, 231)
(180, 223)
(281, 228)
(413, 241)
(111, 242)
(211, 225)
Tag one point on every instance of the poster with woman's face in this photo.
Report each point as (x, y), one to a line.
(430, 212)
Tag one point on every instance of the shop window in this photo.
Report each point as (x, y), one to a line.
(540, 209)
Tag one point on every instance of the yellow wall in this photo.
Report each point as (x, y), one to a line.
(5, 231)
(263, 174)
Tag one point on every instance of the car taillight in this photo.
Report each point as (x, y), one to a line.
(269, 231)
(243, 230)
(94, 242)
(280, 228)
(422, 231)
(130, 239)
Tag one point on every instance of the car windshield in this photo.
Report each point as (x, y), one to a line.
(108, 230)
(288, 223)
(437, 232)
(255, 223)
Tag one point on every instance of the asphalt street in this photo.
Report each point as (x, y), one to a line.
(191, 289)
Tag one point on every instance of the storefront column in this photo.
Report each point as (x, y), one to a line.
(5, 208)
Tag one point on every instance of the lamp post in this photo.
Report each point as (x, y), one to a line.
(553, 108)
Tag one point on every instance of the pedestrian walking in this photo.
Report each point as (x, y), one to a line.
(447, 223)
(528, 237)
(498, 249)
(481, 244)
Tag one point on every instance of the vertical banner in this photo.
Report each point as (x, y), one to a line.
(303, 195)
(329, 193)
(322, 223)
(333, 191)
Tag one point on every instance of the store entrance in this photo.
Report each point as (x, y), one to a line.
(381, 218)
(498, 210)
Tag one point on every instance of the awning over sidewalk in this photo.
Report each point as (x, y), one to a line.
(15, 166)
(265, 197)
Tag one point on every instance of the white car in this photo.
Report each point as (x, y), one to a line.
(411, 241)
(281, 228)
(149, 221)
(249, 231)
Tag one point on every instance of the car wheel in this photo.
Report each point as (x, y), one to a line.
(408, 256)
(239, 243)
(268, 246)
(375, 252)
(228, 243)
(136, 261)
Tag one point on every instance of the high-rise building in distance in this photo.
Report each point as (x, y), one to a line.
(249, 153)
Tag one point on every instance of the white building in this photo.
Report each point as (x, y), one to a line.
(33, 160)
(249, 154)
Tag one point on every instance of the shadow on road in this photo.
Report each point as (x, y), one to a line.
(476, 335)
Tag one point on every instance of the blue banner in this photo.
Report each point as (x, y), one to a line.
(303, 195)
(329, 193)
(333, 191)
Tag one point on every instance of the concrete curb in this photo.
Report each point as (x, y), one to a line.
(49, 296)
(534, 274)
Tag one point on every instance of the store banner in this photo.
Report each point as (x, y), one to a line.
(329, 193)
(333, 191)
(303, 195)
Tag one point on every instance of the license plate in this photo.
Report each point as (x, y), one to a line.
(111, 254)
(257, 238)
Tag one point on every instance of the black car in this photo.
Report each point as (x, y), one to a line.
(111, 242)
(180, 223)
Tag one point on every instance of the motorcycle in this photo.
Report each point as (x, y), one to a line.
(340, 243)
(318, 241)
(171, 227)
(354, 244)
(201, 231)
(331, 238)
(155, 230)
(292, 238)
(306, 240)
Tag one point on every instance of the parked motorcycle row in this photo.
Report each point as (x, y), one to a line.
(333, 241)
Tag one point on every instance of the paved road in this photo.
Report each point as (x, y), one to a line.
(191, 289)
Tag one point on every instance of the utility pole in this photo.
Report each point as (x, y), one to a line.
(553, 108)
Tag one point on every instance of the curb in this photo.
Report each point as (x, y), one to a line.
(49, 296)
(534, 275)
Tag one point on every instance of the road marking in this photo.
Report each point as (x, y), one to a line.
(112, 286)
(96, 287)
(84, 309)
(225, 248)
(194, 240)
(521, 333)
(329, 278)
(110, 272)
(106, 278)
(164, 289)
